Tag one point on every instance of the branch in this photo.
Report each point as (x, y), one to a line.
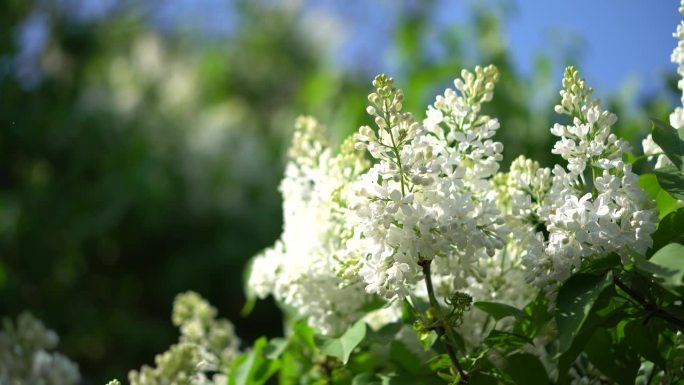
(654, 310)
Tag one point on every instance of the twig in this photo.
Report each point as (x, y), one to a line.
(654, 310)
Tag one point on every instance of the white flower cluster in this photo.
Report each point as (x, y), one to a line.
(428, 195)
(206, 345)
(433, 196)
(25, 358)
(677, 116)
(595, 206)
(301, 270)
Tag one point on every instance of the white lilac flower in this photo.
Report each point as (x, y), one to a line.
(306, 267)
(206, 345)
(25, 356)
(521, 194)
(198, 325)
(677, 116)
(595, 206)
(428, 193)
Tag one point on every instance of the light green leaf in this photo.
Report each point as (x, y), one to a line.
(342, 347)
(275, 348)
(253, 368)
(667, 265)
(499, 310)
(366, 379)
(665, 203)
(575, 299)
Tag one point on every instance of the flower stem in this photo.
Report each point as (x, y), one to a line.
(444, 332)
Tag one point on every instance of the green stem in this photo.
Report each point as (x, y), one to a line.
(395, 147)
(442, 329)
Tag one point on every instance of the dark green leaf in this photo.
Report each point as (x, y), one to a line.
(670, 140)
(405, 359)
(643, 339)
(575, 299)
(342, 347)
(499, 310)
(525, 368)
(671, 180)
(601, 265)
(612, 357)
(606, 313)
(536, 317)
(479, 378)
(506, 341)
(670, 228)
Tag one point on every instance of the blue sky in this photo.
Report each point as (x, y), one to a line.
(617, 40)
(623, 38)
(620, 40)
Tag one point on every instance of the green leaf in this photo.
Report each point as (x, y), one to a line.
(366, 379)
(644, 340)
(506, 341)
(672, 180)
(525, 368)
(670, 228)
(405, 359)
(665, 203)
(575, 299)
(385, 335)
(428, 339)
(499, 310)
(374, 303)
(479, 378)
(275, 348)
(612, 357)
(342, 347)
(670, 140)
(252, 368)
(667, 265)
(606, 312)
(250, 294)
(304, 335)
(601, 265)
(536, 317)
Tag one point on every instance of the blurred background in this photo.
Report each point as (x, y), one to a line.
(142, 142)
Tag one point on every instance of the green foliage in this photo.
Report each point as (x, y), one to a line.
(667, 266)
(671, 141)
(499, 310)
(575, 300)
(342, 347)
